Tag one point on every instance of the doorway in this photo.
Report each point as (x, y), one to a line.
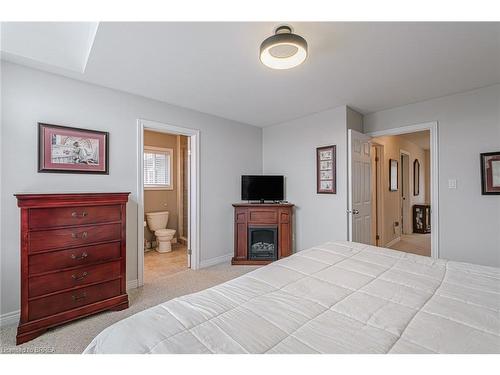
(400, 212)
(168, 200)
(405, 192)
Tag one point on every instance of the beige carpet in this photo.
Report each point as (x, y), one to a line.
(415, 243)
(74, 337)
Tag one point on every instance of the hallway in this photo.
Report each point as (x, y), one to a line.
(419, 244)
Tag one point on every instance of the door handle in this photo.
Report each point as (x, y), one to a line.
(354, 212)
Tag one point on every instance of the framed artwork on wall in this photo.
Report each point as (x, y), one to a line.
(63, 149)
(416, 177)
(326, 173)
(490, 173)
(393, 175)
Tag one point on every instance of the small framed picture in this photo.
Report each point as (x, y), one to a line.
(63, 149)
(490, 173)
(326, 174)
(416, 177)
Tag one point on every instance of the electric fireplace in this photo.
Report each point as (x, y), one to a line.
(263, 243)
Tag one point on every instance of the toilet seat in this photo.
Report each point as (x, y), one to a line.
(164, 232)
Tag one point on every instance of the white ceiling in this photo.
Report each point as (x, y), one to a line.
(421, 139)
(66, 45)
(215, 68)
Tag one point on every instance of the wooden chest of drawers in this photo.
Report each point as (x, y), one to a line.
(73, 251)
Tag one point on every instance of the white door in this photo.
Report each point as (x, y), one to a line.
(359, 176)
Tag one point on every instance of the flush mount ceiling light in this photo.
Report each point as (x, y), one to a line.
(283, 50)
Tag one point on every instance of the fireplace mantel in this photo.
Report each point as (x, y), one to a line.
(261, 215)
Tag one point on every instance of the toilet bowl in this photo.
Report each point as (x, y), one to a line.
(157, 223)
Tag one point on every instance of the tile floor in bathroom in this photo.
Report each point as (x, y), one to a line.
(157, 265)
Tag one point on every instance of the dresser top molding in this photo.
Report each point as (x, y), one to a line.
(56, 199)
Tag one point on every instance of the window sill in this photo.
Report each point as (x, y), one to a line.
(158, 188)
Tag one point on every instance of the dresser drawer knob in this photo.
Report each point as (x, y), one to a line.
(78, 278)
(79, 298)
(82, 235)
(81, 257)
(75, 214)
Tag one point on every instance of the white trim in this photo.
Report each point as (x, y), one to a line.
(180, 188)
(132, 284)
(217, 260)
(434, 152)
(349, 187)
(10, 318)
(393, 242)
(194, 201)
(379, 168)
(406, 219)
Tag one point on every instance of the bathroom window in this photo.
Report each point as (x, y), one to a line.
(158, 168)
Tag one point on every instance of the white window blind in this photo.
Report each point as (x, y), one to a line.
(157, 168)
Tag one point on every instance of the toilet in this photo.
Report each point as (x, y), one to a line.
(157, 223)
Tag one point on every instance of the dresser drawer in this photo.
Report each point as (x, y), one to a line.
(40, 285)
(60, 238)
(57, 303)
(61, 259)
(66, 216)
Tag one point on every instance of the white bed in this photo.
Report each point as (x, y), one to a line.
(340, 297)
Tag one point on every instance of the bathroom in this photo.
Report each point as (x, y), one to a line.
(165, 204)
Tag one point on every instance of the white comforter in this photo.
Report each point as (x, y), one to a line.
(339, 297)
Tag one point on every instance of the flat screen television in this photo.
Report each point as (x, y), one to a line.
(262, 188)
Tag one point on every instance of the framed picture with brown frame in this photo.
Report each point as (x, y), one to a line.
(490, 173)
(326, 170)
(63, 149)
(416, 177)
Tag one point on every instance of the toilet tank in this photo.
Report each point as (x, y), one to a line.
(157, 220)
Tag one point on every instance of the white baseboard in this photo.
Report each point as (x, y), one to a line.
(10, 318)
(393, 242)
(217, 260)
(132, 284)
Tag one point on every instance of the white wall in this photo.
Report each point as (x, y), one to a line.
(469, 123)
(228, 150)
(290, 149)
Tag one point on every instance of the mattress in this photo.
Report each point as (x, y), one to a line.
(340, 297)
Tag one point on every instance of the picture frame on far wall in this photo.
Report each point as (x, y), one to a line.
(416, 177)
(63, 149)
(490, 173)
(326, 170)
(393, 175)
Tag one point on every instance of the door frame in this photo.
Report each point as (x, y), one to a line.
(379, 192)
(194, 185)
(434, 153)
(405, 219)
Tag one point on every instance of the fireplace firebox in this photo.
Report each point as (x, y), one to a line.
(263, 243)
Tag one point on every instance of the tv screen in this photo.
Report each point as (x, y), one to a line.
(259, 188)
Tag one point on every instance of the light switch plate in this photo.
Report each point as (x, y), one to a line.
(452, 184)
